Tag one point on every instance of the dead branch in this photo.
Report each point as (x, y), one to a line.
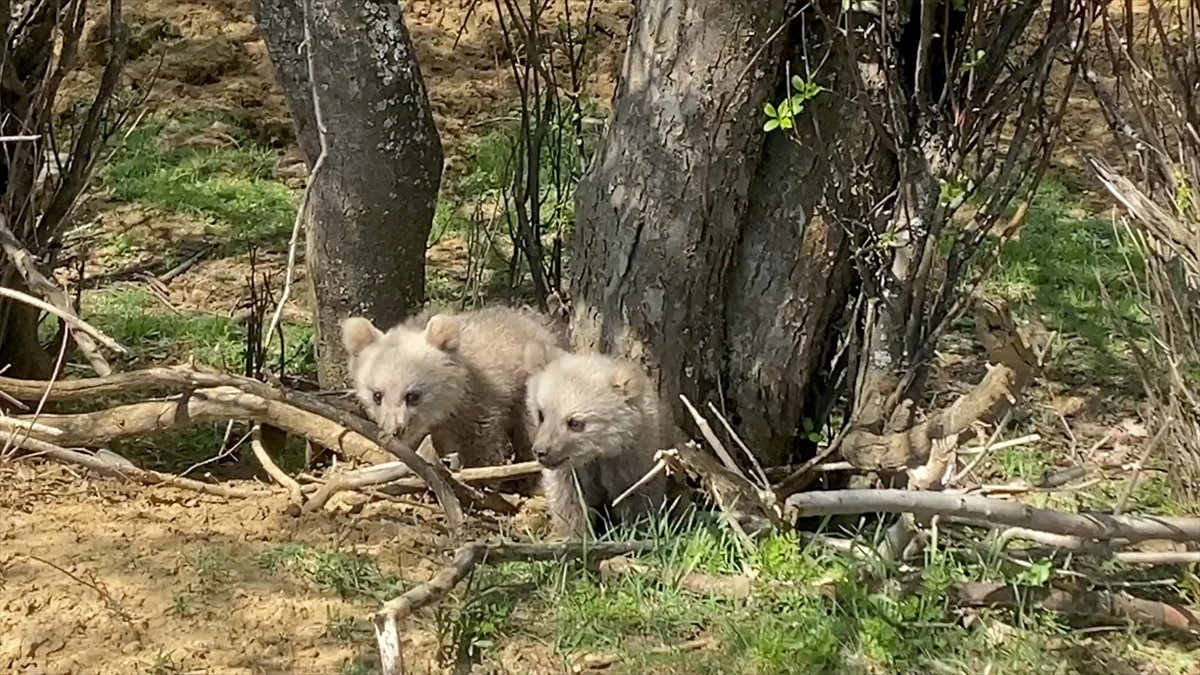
(59, 303)
(127, 471)
(602, 661)
(448, 490)
(1158, 557)
(272, 469)
(483, 475)
(356, 480)
(199, 407)
(1094, 604)
(67, 316)
(302, 207)
(710, 436)
(389, 617)
(12, 425)
(744, 503)
(1097, 526)
(1014, 362)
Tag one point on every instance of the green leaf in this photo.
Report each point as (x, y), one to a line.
(771, 125)
(770, 110)
(798, 83)
(786, 123)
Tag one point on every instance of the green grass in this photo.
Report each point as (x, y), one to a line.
(350, 575)
(231, 189)
(812, 612)
(1052, 269)
(156, 334)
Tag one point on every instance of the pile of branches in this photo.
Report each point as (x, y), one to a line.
(1144, 81)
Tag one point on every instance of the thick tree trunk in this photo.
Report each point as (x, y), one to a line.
(373, 201)
(711, 251)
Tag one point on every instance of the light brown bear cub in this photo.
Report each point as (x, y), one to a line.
(593, 419)
(458, 378)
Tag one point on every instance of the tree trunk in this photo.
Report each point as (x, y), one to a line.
(372, 202)
(711, 251)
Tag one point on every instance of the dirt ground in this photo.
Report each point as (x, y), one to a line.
(97, 577)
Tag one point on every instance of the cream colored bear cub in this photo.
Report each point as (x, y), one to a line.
(459, 378)
(594, 420)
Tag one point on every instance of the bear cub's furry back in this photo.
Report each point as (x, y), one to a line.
(594, 420)
(459, 378)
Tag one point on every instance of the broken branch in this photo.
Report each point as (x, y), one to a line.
(1095, 604)
(177, 379)
(59, 304)
(272, 469)
(387, 619)
(126, 471)
(994, 512)
(70, 319)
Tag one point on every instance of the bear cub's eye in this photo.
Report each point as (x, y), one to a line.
(377, 397)
(575, 424)
(412, 398)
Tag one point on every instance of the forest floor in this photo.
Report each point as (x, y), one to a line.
(102, 577)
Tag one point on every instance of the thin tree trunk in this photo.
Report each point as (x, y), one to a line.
(373, 201)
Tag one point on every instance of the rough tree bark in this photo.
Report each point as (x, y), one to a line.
(710, 251)
(372, 203)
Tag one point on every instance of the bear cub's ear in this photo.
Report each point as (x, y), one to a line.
(538, 355)
(358, 333)
(443, 332)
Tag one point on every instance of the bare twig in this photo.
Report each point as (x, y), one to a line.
(123, 470)
(389, 617)
(97, 586)
(393, 474)
(658, 468)
(302, 207)
(762, 475)
(13, 424)
(990, 447)
(68, 317)
(1164, 427)
(58, 303)
(272, 469)
(710, 436)
(32, 421)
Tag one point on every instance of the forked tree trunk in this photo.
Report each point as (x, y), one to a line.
(711, 251)
(373, 201)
